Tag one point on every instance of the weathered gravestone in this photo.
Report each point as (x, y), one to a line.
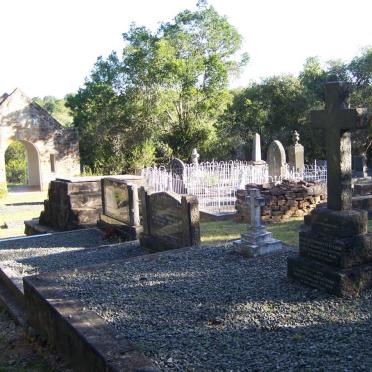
(120, 207)
(256, 151)
(335, 248)
(169, 220)
(256, 241)
(177, 168)
(276, 160)
(296, 153)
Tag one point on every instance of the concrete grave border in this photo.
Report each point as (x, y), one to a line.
(77, 333)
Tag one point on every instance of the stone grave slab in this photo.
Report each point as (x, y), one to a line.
(169, 220)
(120, 208)
(52, 252)
(335, 246)
(205, 308)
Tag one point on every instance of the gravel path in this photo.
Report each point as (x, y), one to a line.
(209, 309)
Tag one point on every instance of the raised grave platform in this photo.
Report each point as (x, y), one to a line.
(75, 202)
(203, 308)
(53, 252)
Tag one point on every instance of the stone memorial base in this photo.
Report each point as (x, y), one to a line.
(335, 252)
(256, 242)
(118, 228)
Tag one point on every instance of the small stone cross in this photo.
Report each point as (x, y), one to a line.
(337, 120)
(256, 201)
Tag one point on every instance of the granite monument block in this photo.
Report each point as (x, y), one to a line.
(335, 246)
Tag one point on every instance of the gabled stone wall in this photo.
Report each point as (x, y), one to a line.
(45, 140)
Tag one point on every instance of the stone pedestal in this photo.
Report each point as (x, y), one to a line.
(296, 157)
(256, 242)
(335, 252)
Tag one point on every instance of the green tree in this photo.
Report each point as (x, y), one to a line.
(57, 108)
(16, 163)
(170, 88)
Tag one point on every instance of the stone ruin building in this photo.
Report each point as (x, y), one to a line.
(52, 150)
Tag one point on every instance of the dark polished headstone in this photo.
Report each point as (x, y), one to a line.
(335, 246)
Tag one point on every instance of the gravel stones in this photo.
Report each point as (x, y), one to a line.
(62, 251)
(209, 309)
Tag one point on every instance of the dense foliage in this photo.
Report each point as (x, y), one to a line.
(163, 97)
(168, 93)
(57, 108)
(278, 105)
(16, 164)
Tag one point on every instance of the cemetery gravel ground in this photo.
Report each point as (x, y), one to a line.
(209, 309)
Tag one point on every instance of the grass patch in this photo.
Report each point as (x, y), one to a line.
(222, 231)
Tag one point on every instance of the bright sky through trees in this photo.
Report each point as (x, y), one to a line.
(49, 46)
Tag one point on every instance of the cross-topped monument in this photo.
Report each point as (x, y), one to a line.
(256, 241)
(255, 202)
(337, 120)
(334, 244)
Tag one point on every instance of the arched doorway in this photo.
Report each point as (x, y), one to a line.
(22, 164)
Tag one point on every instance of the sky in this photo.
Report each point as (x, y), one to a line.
(48, 47)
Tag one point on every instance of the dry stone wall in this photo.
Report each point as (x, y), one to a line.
(283, 201)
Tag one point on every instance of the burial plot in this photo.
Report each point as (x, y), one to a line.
(335, 248)
(205, 309)
(120, 207)
(20, 257)
(169, 220)
(73, 203)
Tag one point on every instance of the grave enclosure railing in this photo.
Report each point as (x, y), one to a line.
(215, 183)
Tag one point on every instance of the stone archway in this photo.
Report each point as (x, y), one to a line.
(33, 179)
(52, 150)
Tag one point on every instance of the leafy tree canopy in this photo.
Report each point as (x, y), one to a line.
(167, 91)
(57, 108)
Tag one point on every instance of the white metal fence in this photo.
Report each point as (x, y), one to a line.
(215, 183)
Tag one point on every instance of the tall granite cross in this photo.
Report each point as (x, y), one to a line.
(337, 120)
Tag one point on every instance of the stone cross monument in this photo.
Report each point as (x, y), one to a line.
(296, 153)
(335, 248)
(256, 241)
(337, 120)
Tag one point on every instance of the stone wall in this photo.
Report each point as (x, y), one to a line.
(283, 201)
